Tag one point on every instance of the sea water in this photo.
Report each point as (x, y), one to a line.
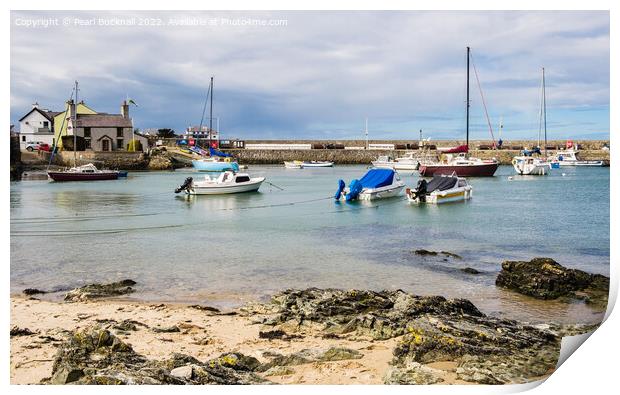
(225, 250)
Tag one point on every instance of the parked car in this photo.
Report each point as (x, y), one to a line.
(45, 147)
(35, 146)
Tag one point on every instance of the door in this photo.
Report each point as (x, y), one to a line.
(105, 145)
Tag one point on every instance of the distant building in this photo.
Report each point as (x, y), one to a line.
(201, 133)
(37, 125)
(149, 132)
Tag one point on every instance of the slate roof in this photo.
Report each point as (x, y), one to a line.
(103, 121)
(47, 114)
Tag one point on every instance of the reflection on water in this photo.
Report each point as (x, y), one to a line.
(228, 249)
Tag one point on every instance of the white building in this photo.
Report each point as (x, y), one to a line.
(37, 125)
(201, 133)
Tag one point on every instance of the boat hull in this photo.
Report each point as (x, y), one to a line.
(318, 164)
(381, 193)
(596, 163)
(479, 170)
(383, 165)
(202, 165)
(406, 166)
(456, 195)
(66, 176)
(530, 169)
(294, 165)
(251, 186)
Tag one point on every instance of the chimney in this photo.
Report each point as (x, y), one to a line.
(71, 108)
(125, 109)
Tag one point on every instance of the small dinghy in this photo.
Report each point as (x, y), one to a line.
(226, 183)
(376, 184)
(316, 163)
(441, 189)
(296, 164)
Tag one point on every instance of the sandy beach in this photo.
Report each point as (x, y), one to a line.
(203, 335)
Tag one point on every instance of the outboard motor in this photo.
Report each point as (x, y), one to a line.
(185, 186)
(420, 191)
(338, 193)
(355, 188)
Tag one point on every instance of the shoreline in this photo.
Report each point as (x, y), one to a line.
(362, 356)
(203, 335)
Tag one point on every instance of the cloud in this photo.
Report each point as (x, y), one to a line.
(324, 72)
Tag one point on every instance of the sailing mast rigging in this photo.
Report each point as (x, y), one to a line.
(74, 126)
(468, 104)
(544, 94)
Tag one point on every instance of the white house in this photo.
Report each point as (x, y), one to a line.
(37, 125)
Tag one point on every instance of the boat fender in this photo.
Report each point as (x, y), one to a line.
(338, 193)
(355, 188)
(185, 186)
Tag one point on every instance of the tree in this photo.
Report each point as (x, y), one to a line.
(166, 133)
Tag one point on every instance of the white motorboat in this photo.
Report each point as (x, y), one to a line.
(384, 161)
(529, 166)
(569, 157)
(441, 189)
(375, 184)
(409, 161)
(296, 164)
(226, 183)
(316, 163)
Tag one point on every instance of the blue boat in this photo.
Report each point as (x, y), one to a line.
(377, 183)
(212, 164)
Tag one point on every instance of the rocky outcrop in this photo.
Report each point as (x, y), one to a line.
(309, 356)
(96, 356)
(32, 291)
(544, 278)
(17, 331)
(431, 329)
(95, 291)
(160, 161)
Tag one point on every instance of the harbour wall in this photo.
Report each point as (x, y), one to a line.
(473, 144)
(341, 156)
(109, 160)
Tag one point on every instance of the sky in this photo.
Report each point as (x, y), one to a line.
(319, 75)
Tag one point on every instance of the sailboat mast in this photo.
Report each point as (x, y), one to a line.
(366, 131)
(467, 105)
(544, 109)
(211, 113)
(74, 111)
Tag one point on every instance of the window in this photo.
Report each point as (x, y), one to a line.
(87, 144)
(119, 144)
(119, 132)
(23, 138)
(86, 132)
(242, 179)
(46, 124)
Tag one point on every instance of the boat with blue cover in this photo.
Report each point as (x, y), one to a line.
(375, 184)
(217, 162)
